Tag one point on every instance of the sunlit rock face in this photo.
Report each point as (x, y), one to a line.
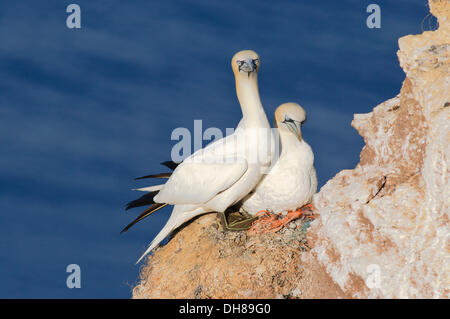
(383, 229)
(203, 261)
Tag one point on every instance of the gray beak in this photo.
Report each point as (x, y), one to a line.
(247, 66)
(294, 126)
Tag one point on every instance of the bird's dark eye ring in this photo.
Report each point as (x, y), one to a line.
(287, 119)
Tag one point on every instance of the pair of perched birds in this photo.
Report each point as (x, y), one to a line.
(225, 172)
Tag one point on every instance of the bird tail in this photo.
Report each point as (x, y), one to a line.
(176, 220)
(160, 175)
(153, 208)
(144, 200)
(149, 188)
(169, 164)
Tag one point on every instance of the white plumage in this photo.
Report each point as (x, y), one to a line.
(221, 174)
(292, 181)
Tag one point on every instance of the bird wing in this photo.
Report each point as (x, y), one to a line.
(197, 183)
(204, 174)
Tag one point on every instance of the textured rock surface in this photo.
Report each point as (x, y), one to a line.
(203, 261)
(392, 210)
(384, 224)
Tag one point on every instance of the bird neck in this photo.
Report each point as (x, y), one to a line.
(248, 95)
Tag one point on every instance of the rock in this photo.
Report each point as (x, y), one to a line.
(391, 213)
(204, 261)
(382, 229)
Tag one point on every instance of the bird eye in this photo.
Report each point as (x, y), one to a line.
(239, 63)
(256, 61)
(287, 119)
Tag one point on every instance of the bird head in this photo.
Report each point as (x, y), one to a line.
(290, 117)
(245, 63)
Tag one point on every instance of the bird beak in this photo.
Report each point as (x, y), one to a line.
(294, 127)
(248, 66)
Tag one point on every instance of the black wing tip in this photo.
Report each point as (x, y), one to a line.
(130, 205)
(170, 164)
(153, 208)
(160, 175)
(129, 225)
(146, 199)
(133, 204)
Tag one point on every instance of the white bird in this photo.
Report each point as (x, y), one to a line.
(221, 174)
(292, 181)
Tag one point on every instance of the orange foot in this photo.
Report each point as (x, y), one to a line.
(264, 222)
(269, 222)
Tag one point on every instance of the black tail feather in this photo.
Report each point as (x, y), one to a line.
(170, 164)
(161, 175)
(144, 214)
(144, 200)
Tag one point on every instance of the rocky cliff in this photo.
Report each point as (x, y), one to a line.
(203, 261)
(382, 229)
(387, 220)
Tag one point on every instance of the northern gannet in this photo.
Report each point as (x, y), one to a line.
(222, 173)
(292, 181)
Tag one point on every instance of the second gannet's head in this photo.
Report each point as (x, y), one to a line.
(245, 63)
(290, 117)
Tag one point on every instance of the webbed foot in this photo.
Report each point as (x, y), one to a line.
(236, 220)
(270, 222)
